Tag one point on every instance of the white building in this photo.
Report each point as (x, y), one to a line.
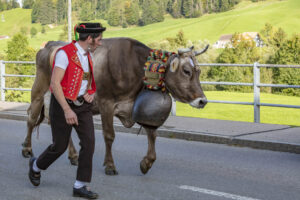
(225, 40)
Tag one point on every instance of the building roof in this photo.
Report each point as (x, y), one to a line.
(249, 35)
(245, 35)
(225, 37)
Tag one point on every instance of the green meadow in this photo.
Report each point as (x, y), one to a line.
(272, 115)
(245, 17)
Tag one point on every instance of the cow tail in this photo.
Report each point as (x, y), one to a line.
(40, 120)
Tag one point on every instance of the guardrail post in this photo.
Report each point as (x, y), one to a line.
(256, 89)
(2, 80)
(173, 111)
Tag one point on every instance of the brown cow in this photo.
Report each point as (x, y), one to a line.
(118, 69)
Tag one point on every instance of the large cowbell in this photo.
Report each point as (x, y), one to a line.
(151, 108)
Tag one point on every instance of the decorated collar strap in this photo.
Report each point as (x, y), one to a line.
(155, 69)
(159, 55)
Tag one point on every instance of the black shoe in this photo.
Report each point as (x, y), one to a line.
(34, 177)
(85, 193)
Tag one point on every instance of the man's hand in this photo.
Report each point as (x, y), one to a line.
(88, 98)
(71, 117)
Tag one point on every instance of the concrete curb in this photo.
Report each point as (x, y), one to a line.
(191, 136)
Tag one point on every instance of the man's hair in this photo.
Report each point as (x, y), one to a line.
(84, 36)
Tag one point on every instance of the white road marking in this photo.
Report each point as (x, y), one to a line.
(215, 193)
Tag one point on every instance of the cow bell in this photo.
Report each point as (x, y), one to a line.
(151, 108)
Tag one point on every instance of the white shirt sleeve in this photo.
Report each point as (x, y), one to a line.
(61, 60)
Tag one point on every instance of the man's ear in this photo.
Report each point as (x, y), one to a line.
(174, 64)
(89, 38)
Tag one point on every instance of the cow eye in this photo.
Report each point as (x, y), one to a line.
(187, 72)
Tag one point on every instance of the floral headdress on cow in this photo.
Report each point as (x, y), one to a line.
(87, 28)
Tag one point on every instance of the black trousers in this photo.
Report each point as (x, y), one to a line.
(61, 133)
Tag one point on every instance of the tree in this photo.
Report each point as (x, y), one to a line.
(267, 33)
(61, 10)
(48, 11)
(86, 13)
(43, 30)
(33, 32)
(14, 4)
(175, 12)
(28, 4)
(187, 8)
(240, 50)
(24, 30)
(287, 53)
(180, 39)
(1, 6)
(35, 13)
(131, 12)
(151, 12)
(113, 18)
(18, 49)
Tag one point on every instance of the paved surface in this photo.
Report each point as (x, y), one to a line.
(244, 134)
(184, 170)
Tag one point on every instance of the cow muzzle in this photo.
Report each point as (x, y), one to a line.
(199, 102)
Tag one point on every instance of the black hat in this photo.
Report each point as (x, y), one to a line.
(89, 28)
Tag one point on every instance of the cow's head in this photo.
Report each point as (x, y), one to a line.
(182, 77)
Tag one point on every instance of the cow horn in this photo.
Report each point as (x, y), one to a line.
(182, 51)
(202, 51)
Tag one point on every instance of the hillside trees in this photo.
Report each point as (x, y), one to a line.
(33, 32)
(132, 12)
(8, 4)
(61, 6)
(152, 12)
(48, 16)
(86, 12)
(28, 4)
(114, 17)
(43, 11)
(35, 13)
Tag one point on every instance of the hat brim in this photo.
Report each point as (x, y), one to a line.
(90, 30)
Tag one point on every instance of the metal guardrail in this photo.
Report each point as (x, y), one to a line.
(256, 84)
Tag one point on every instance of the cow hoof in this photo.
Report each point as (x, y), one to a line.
(111, 171)
(145, 166)
(74, 161)
(27, 152)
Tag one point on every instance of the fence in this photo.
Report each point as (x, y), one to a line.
(256, 85)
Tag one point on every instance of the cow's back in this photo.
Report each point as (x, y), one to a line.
(43, 57)
(119, 68)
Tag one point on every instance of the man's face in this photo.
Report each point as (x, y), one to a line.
(93, 43)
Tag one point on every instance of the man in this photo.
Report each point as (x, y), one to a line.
(73, 88)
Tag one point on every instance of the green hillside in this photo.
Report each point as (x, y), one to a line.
(247, 16)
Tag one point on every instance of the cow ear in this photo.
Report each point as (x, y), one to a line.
(174, 64)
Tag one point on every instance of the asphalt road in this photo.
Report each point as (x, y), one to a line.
(183, 170)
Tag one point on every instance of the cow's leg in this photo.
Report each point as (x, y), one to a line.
(34, 112)
(73, 155)
(109, 136)
(39, 88)
(149, 159)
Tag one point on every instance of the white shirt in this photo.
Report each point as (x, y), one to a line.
(62, 61)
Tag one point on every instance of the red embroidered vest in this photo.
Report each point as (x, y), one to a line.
(72, 79)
